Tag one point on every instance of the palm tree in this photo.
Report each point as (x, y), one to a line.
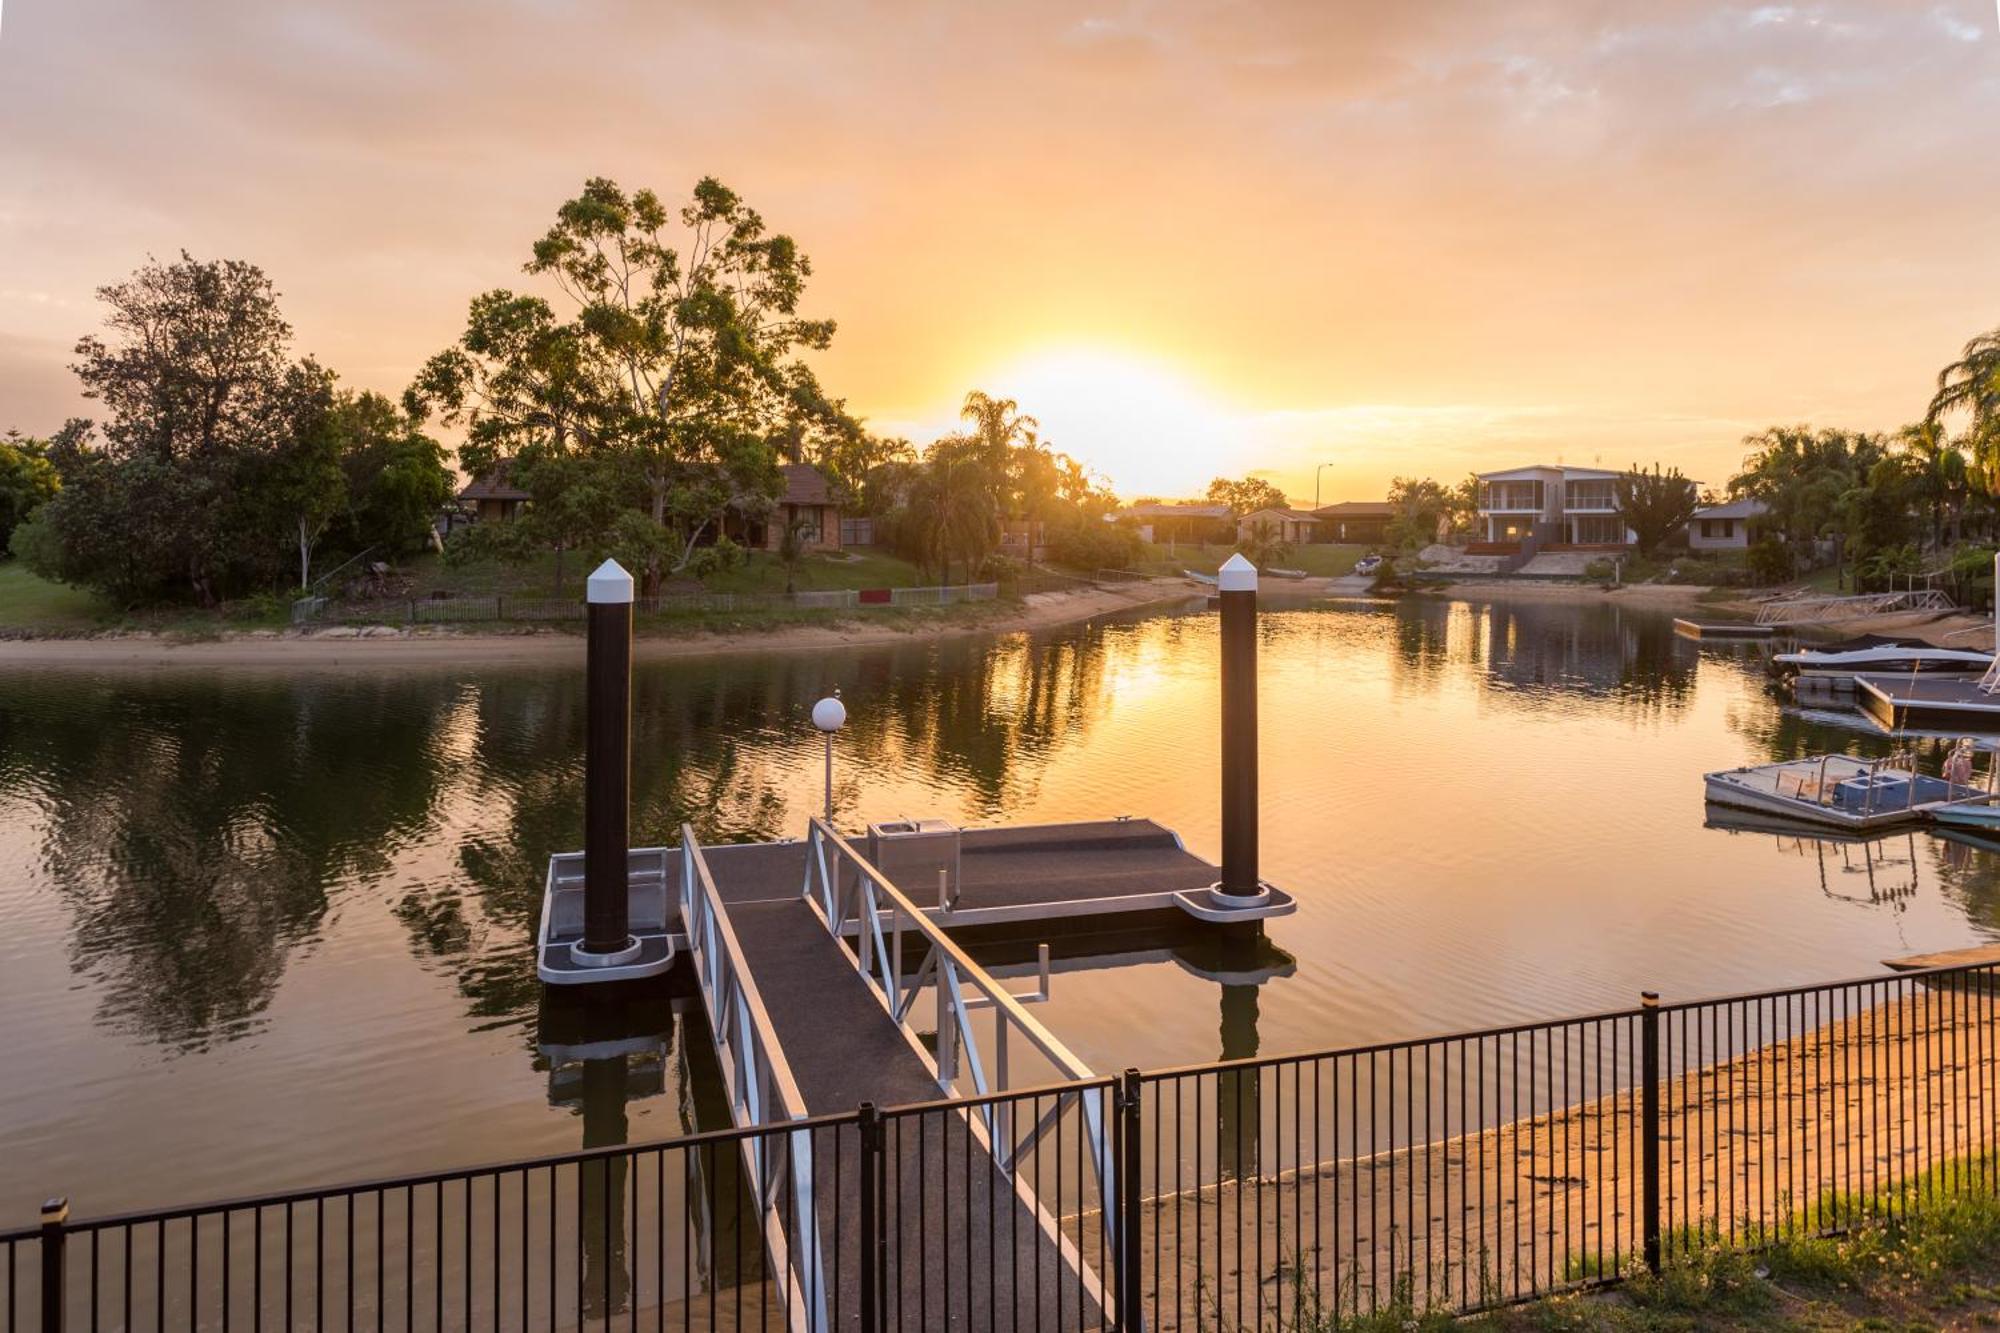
(1260, 543)
(952, 505)
(1972, 384)
(998, 428)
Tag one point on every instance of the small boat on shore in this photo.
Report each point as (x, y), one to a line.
(1206, 580)
(1842, 791)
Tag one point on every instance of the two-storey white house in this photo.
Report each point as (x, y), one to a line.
(1562, 506)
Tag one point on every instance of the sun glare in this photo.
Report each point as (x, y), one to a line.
(1140, 423)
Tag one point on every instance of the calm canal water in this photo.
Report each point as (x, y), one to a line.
(265, 930)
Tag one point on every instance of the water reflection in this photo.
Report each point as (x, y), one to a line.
(196, 831)
(317, 895)
(1581, 652)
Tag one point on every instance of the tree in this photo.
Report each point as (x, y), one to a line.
(202, 396)
(678, 360)
(27, 480)
(792, 552)
(1806, 478)
(1656, 504)
(998, 428)
(1420, 504)
(305, 485)
(394, 478)
(1462, 504)
(1246, 496)
(1938, 472)
(1261, 545)
(1971, 385)
(952, 507)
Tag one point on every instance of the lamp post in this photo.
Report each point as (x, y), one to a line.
(1316, 472)
(829, 715)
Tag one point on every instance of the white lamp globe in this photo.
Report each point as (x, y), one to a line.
(829, 714)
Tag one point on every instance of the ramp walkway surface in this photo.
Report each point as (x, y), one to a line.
(950, 1209)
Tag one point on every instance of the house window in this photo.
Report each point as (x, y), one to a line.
(1600, 531)
(1593, 495)
(1718, 529)
(1515, 495)
(857, 532)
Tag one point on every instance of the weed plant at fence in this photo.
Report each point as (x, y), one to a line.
(1448, 1173)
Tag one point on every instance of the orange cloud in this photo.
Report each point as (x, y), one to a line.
(1406, 238)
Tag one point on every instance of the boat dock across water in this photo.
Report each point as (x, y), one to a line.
(835, 975)
(1842, 791)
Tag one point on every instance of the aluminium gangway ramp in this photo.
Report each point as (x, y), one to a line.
(804, 1028)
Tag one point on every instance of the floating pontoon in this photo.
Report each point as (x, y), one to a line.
(1841, 791)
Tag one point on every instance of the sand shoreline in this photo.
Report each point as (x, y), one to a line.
(363, 648)
(374, 647)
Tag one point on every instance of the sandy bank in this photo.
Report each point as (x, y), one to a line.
(1957, 630)
(364, 648)
(1675, 598)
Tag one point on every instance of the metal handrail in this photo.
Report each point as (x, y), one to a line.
(761, 1089)
(1810, 609)
(880, 962)
(882, 957)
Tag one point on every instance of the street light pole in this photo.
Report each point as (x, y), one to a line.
(1316, 472)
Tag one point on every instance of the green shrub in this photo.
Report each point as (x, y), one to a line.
(1096, 546)
(1770, 560)
(718, 558)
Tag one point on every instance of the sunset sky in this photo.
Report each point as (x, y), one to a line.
(1193, 238)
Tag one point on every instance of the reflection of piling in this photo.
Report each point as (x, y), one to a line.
(601, 1188)
(1239, 1100)
(1240, 886)
(607, 767)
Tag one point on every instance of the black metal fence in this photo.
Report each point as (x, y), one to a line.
(1450, 1172)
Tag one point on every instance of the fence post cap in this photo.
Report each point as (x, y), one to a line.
(1649, 998)
(55, 1211)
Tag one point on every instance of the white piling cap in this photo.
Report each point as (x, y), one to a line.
(609, 583)
(1237, 575)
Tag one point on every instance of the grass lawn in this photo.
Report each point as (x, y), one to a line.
(1320, 559)
(1932, 1263)
(861, 568)
(29, 602)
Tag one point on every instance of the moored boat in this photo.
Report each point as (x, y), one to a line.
(1874, 655)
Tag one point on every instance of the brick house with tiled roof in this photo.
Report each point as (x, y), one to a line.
(493, 496)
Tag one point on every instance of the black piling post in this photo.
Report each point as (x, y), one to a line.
(1237, 585)
(55, 1277)
(607, 775)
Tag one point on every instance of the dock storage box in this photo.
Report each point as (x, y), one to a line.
(911, 852)
(1874, 791)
